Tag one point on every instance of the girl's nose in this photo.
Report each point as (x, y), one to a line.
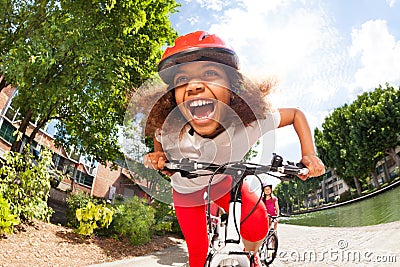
(195, 87)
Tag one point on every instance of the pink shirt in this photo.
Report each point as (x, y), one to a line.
(270, 205)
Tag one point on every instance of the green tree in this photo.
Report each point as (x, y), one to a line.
(284, 192)
(76, 61)
(356, 136)
(335, 148)
(376, 125)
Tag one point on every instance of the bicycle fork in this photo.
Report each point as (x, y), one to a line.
(232, 254)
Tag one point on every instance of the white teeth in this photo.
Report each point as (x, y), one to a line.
(200, 102)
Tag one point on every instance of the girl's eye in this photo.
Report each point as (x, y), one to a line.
(180, 80)
(210, 73)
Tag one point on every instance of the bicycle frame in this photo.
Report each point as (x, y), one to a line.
(232, 253)
(264, 255)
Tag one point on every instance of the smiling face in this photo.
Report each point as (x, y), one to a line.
(202, 94)
(267, 190)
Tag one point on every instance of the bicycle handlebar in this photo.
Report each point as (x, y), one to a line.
(188, 168)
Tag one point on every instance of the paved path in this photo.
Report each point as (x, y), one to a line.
(173, 256)
(377, 245)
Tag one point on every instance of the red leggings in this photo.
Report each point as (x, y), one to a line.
(191, 213)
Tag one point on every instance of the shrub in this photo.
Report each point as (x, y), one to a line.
(25, 184)
(7, 219)
(345, 196)
(134, 220)
(92, 217)
(166, 220)
(76, 201)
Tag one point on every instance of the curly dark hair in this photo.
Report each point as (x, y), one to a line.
(248, 102)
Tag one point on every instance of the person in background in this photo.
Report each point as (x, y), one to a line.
(271, 204)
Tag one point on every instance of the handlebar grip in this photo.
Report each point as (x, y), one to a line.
(304, 170)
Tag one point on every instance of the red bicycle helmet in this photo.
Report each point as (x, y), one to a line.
(194, 46)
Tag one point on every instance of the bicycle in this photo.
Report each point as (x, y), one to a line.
(269, 247)
(230, 252)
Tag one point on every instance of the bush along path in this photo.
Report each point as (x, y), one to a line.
(95, 231)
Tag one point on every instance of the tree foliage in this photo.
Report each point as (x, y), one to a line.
(335, 147)
(295, 192)
(356, 136)
(376, 120)
(76, 61)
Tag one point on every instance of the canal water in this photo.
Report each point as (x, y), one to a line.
(382, 208)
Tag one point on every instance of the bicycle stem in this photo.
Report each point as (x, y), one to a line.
(235, 212)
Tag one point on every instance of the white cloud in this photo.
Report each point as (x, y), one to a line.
(216, 5)
(379, 53)
(391, 2)
(193, 20)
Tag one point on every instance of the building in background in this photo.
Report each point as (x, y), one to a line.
(83, 173)
(387, 168)
(332, 186)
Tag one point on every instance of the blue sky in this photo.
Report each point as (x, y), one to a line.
(323, 53)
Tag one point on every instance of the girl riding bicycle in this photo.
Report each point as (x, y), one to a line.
(211, 113)
(271, 203)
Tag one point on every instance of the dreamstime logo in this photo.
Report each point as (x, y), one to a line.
(154, 100)
(342, 244)
(339, 254)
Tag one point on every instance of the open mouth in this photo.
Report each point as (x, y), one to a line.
(201, 108)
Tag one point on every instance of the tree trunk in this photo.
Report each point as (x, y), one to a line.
(375, 178)
(358, 185)
(3, 82)
(17, 144)
(42, 122)
(317, 197)
(36, 130)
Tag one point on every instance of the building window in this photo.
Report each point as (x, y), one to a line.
(379, 170)
(60, 163)
(340, 186)
(7, 131)
(12, 114)
(83, 178)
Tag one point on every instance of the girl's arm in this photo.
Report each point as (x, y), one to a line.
(277, 207)
(295, 117)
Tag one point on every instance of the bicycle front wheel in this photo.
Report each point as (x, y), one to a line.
(268, 250)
